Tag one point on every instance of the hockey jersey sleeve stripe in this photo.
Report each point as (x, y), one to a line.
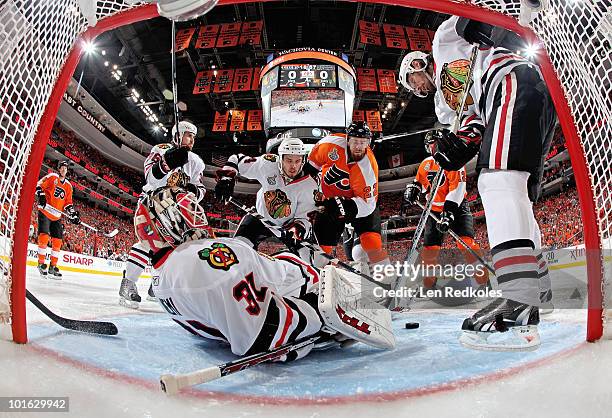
(302, 320)
(288, 322)
(137, 264)
(139, 251)
(264, 339)
(139, 258)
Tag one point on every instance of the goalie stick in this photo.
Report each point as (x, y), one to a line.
(274, 230)
(172, 383)
(92, 327)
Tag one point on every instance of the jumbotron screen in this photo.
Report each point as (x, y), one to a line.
(307, 107)
(307, 76)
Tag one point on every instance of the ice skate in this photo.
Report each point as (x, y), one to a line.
(42, 269)
(54, 273)
(503, 325)
(128, 294)
(150, 295)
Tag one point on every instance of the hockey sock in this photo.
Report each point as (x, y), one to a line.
(56, 246)
(516, 269)
(43, 241)
(371, 242)
(429, 256)
(545, 284)
(482, 275)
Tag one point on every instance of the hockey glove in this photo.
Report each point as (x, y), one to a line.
(340, 208)
(42, 199)
(453, 151)
(198, 191)
(73, 215)
(292, 234)
(226, 180)
(412, 192)
(447, 217)
(174, 158)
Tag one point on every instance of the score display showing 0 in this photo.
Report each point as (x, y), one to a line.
(307, 76)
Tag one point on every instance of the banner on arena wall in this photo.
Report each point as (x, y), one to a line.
(419, 39)
(251, 33)
(76, 105)
(366, 79)
(358, 116)
(183, 38)
(256, 72)
(242, 79)
(237, 123)
(396, 160)
(220, 123)
(223, 81)
(395, 36)
(369, 33)
(203, 82)
(229, 35)
(373, 120)
(207, 36)
(386, 81)
(255, 120)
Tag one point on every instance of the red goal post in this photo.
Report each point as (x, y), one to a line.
(580, 90)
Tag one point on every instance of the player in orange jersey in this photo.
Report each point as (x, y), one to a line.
(54, 193)
(452, 209)
(349, 182)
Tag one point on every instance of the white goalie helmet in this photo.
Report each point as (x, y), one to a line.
(291, 146)
(408, 67)
(168, 217)
(183, 126)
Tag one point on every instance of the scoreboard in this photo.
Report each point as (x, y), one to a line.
(308, 76)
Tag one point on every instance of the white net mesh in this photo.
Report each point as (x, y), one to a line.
(37, 35)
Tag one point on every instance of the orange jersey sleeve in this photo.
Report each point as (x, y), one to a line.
(453, 185)
(58, 194)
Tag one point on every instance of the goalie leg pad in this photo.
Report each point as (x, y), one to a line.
(344, 309)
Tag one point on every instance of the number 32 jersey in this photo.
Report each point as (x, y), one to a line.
(224, 290)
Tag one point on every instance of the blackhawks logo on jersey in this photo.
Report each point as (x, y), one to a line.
(277, 203)
(177, 179)
(452, 79)
(270, 157)
(219, 256)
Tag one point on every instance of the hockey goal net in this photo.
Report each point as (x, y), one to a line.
(41, 42)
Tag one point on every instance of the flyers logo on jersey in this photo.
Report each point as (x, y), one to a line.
(337, 177)
(219, 256)
(277, 203)
(452, 79)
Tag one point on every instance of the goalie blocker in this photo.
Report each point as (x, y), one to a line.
(222, 289)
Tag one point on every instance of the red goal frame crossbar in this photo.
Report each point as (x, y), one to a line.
(464, 9)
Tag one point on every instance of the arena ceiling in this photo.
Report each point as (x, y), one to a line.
(141, 53)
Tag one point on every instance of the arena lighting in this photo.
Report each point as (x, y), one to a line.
(89, 47)
(530, 51)
(106, 63)
(155, 128)
(103, 52)
(389, 105)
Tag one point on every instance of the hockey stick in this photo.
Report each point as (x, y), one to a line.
(273, 229)
(106, 234)
(403, 134)
(172, 383)
(174, 85)
(460, 240)
(92, 327)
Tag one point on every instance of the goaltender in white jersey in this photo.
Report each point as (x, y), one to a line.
(286, 195)
(167, 165)
(222, 289)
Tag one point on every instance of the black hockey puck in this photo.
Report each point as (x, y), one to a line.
(412, 325)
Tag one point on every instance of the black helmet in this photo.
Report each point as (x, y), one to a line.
(429, 141)
(359, 129)
(62, 163)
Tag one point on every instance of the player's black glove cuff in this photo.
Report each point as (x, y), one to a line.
(73, 215)
(292, 235)
(475, 32)
(40, 194)
(412, 192)
(226, 180)
(340, 208)
(446, 220)
(174, 158)
(453, 151)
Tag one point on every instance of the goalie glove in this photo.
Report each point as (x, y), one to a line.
(226, 180)
(198, 191)
(412, 192)
(447, 217)
(453, 151)
(341, 208)
(40, 195)
(73, 215)
(174, 158)
(292, 234)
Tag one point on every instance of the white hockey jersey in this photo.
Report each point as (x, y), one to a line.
(224, 290)
(277, 201)
(193, 170)
(451, 55)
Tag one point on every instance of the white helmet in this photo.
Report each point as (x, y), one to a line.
(291, 146)
(407, 68)
(183, 126)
